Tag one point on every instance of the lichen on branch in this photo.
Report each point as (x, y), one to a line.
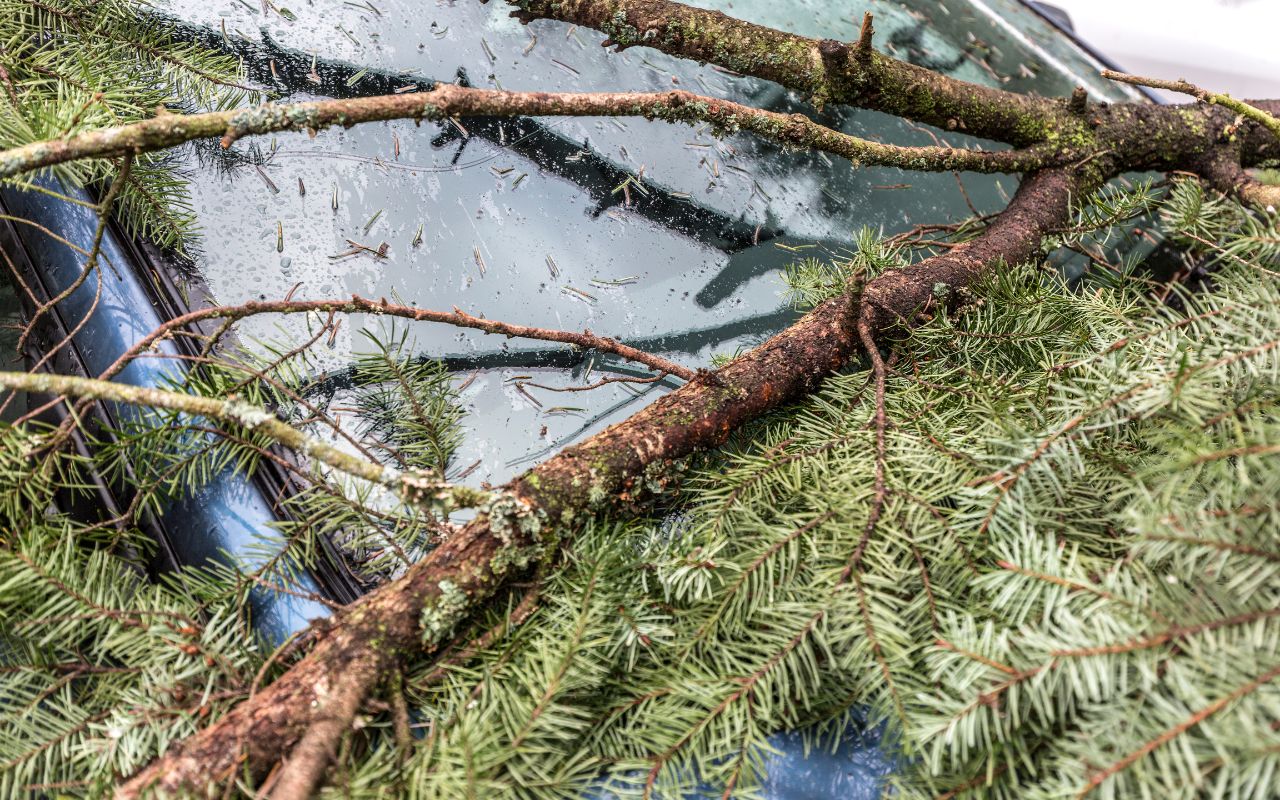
(446, 100)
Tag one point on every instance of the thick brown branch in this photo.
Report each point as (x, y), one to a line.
(606, 472)
(1223, 172)
(303, 771)
(824, 70)
(1135, 136)
(1042, 202)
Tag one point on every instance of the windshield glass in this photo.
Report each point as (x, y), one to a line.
(660, 235)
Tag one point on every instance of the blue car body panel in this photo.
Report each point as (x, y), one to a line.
(229, 515)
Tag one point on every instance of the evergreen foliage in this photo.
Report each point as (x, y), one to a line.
(1073, 588)
(68, 66)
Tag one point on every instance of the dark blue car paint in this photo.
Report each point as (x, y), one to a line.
(230, 514)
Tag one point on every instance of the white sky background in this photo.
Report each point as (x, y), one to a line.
(1230, 46)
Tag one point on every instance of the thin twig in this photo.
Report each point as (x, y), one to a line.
(877, 502)
(357, 304)
(229, 411)
(1212, 98)
(95, 251)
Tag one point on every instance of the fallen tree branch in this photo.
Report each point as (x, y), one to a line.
(356, 305)
(826, 71)
(1212, 98)
(1147, 136)
(605, 473)
(1223, 171)
(1053, 133)
(611, 471)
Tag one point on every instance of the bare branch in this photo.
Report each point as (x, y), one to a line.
(90, 264)
(1212, 98)
(357, 304)
(447, 100)
(824, 70)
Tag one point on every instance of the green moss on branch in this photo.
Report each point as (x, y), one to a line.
(446, 100)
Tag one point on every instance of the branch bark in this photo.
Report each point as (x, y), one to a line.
(1223, 171)
(354, 305)
(1147, 136)
(1212, 98)
(409, 485)
(357, 304)
(447, 100)
(827, 71)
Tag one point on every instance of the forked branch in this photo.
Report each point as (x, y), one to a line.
(826, 71)
(1203, 95)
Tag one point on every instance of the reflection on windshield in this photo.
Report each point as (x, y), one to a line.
(660, 235)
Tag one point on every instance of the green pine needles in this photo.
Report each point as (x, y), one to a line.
(1073, 589)
(68, 66)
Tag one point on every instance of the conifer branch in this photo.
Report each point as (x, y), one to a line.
(301, 715)
(599, 475)
(1165, 637)
(90, 264)
(1174, 732)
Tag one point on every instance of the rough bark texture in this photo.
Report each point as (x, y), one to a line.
(1042, 203)
(1144, 136)
(824, 70)
(1222, 169)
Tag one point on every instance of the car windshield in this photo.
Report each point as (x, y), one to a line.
(660, 235)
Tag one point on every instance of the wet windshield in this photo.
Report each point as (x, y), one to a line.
(660, 235)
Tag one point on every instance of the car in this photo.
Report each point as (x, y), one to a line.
(660, 235)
